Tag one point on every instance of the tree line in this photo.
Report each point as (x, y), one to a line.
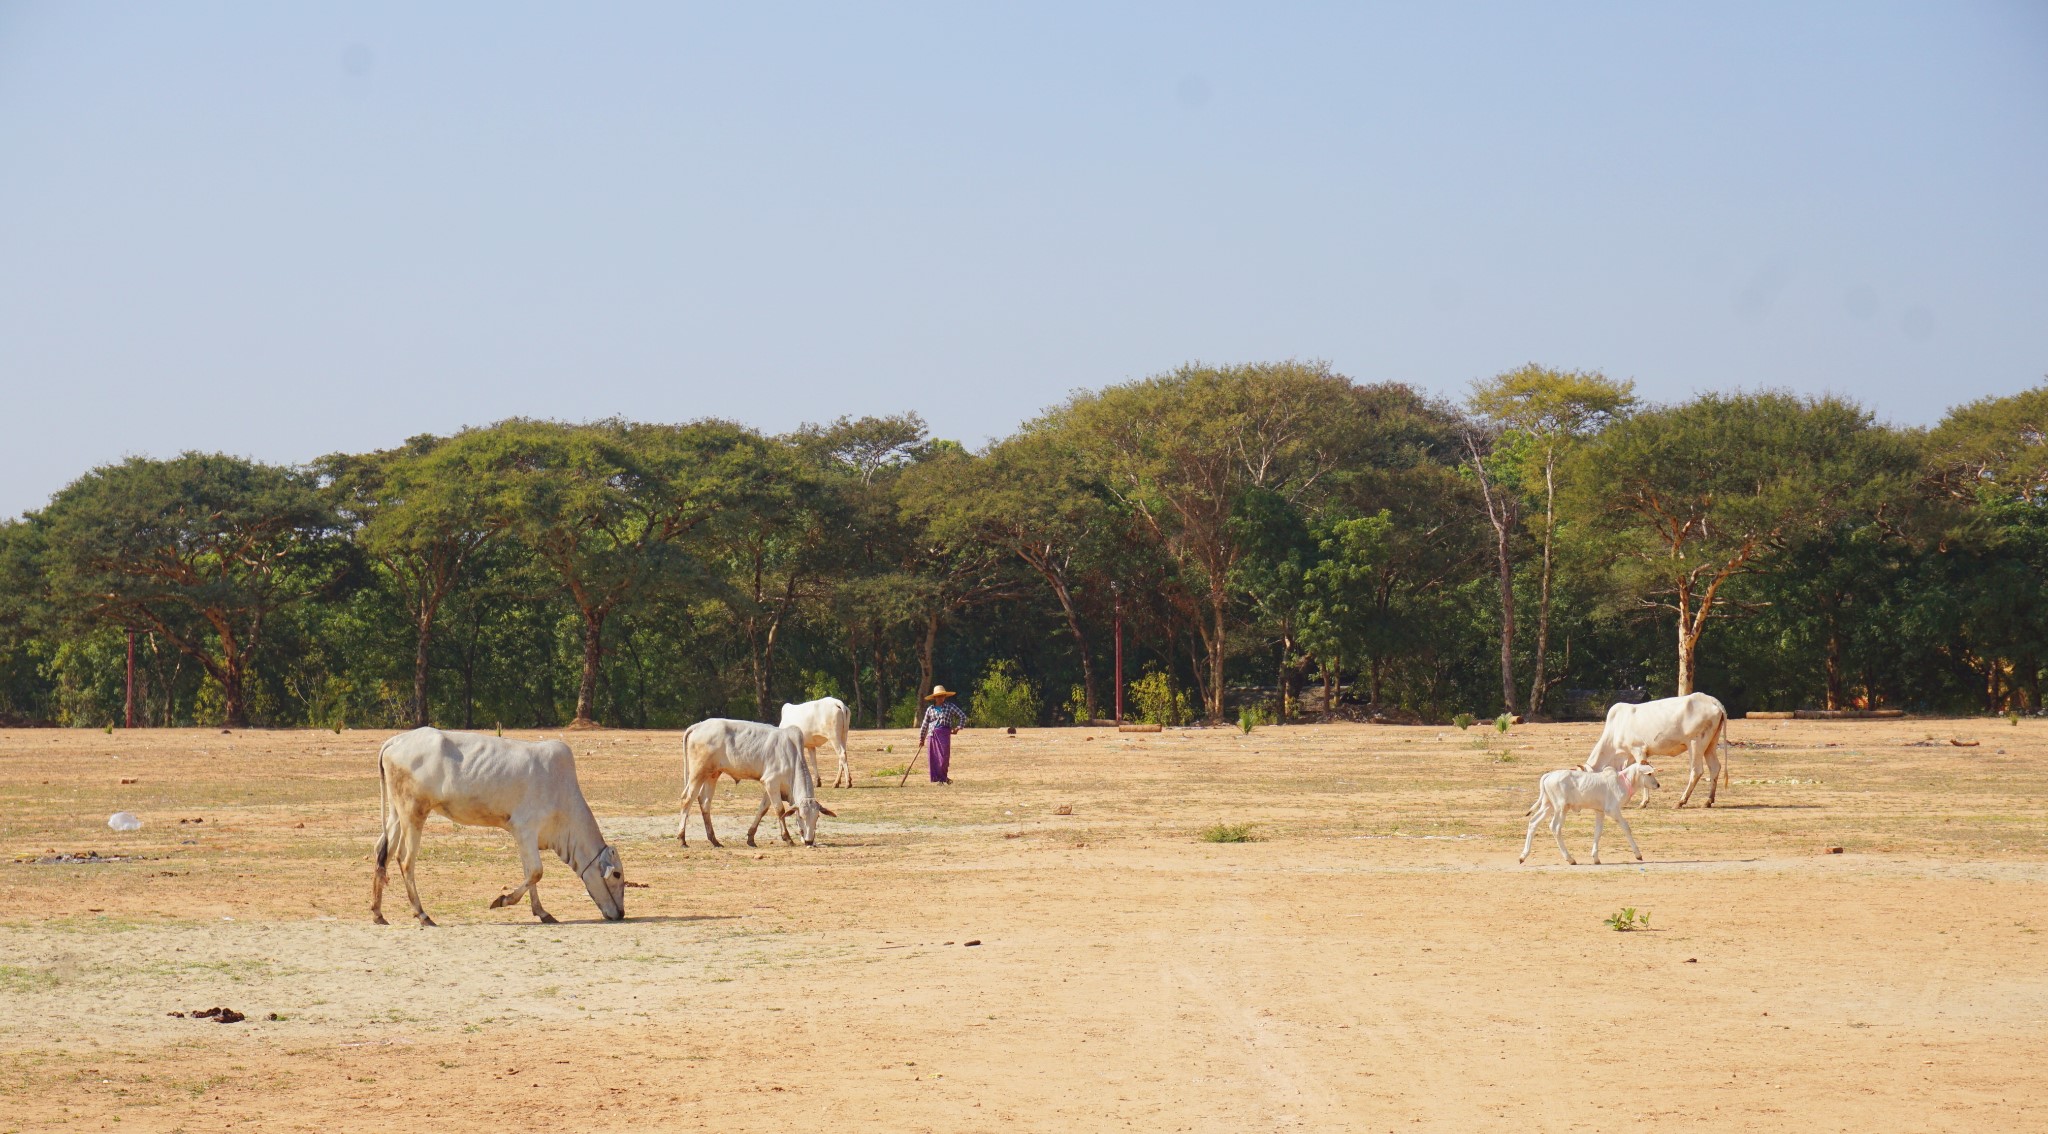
(1275, 540)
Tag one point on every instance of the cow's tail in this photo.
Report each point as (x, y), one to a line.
(1721, 742)
(383, 811)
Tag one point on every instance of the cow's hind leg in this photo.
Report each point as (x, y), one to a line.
(845, 771)
(408, 850)
(1530, 839)
(1557, 832)
(1692, 779)
(380, 878)
(1713, 761)
(704, 793)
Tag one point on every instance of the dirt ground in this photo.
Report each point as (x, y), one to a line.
(1375, 961)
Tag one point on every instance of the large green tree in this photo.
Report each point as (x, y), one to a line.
(1028, 497)
(420, 512)
(1180, 451)
(1535, 415)
(1694, 494)
(605, 504)
(202, 549)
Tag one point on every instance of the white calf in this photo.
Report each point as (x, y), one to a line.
(1575, 789)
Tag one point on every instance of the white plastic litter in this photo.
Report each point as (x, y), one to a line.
(124, 821)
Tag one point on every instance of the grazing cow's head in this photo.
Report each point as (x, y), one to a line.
(807, 814)
(606, 881)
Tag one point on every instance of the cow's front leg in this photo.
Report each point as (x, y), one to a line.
(1599, 826)
(767, 797)
(529, 858)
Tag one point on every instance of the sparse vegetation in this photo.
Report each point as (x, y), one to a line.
(1464, 721)
(1155, 700)
(1504, 722)
(1628, 919)
(1003, 698)
(1229, 833)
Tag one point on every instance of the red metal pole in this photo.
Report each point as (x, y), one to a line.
(1117, 592)
(131, 680)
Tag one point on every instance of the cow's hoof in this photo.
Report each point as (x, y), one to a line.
(1571, 862)
(426, 922)
(547, 919)
(378, 919)
(1639, 858)
(500, 901)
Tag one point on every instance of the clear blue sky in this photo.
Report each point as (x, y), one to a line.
(287, 229)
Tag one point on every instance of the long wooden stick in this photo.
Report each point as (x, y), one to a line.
(912, 766)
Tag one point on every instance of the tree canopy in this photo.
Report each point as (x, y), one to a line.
(1273, 537)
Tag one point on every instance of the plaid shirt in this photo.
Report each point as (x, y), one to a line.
(944, 713)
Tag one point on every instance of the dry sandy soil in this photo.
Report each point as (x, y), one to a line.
(1376, 961)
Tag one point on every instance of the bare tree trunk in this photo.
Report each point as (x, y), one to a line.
(1501, 514)
(881, 685)
(423, 634)
(1538, 685)
(1507, 624)
(756, 664)
(1217, 648)
(1834, 666)
(235, 708)
(853, 654)
(926, 673)
(1059, 588)
(593, 650)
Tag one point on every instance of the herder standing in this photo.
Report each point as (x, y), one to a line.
(941, 720)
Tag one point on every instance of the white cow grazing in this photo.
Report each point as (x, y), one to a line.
(824, 721)
(1575, 789)
(526, 787)
(1694, 724)
(749, 750)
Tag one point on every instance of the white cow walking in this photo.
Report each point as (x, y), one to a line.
(749, 750)
(1575, 789)
(824, 721)
(1694, 724)
(526, 787)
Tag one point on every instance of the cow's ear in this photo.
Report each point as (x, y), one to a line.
(824, 810)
